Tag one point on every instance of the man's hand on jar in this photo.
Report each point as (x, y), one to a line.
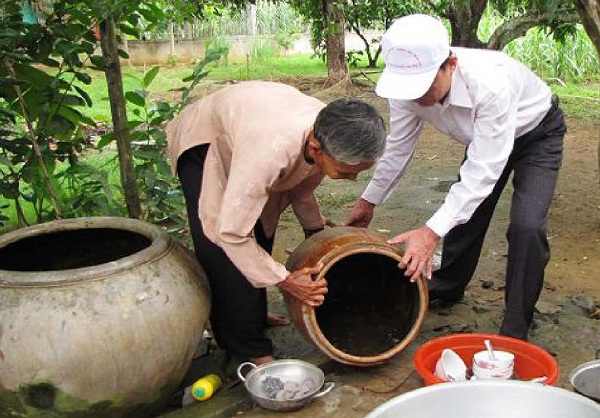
(301, 285)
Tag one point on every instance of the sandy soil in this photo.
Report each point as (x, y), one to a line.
(567, 323)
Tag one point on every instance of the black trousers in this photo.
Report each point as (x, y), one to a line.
(534, 163)
(239, 310)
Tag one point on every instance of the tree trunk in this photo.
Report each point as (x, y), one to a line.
(114, 80)
(464, 20)
(337, 68)
(589, 10)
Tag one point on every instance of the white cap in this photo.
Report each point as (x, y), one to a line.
(413, 48)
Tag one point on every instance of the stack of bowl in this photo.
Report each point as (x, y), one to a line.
(500, 367)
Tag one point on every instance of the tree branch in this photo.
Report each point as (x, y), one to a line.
(518, 26)
(36, 146)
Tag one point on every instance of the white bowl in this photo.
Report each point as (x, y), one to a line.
(450, 367)
(482, 373)
(504, 360)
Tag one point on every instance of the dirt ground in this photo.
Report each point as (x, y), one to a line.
(567, 321)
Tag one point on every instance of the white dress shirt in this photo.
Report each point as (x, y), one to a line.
(493, 99)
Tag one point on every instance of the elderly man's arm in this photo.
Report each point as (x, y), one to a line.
(244, 200)
(305, 206)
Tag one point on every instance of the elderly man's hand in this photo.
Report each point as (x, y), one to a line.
(361, 214)
(420, 246)
(300, 284)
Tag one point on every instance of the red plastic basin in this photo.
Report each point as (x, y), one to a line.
(531, 361)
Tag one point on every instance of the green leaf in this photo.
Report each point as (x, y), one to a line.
(50, 62)
(73, 115)
(59, 125)
(122, 53)
(146, 155)
(72, 99)
(136, 98)
(62, 46)
(14, 55)
(84, 95)
(150, 75)
(83, 77)
(9, 191)
(98, 62)
(105, 140)
(32, 75)
(130, 31)
(138, 136)
(132, 124)
(158, 120)
(162, 106)
(133, 19)
(4, 161)
(152, 14)
(72, 59)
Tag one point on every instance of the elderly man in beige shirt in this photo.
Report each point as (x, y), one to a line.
(243, 155)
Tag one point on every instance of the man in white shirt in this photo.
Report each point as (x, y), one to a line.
(509, 122)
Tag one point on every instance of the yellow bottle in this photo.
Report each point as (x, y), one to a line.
(205, 387)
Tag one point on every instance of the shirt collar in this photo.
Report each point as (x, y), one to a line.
(459, 94)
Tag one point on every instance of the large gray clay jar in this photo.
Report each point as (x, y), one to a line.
(99, 317)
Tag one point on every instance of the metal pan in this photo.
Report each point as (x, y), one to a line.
(261, 379)
(585, 379)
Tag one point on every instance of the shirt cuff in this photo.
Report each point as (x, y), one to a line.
(280, 273)
(374, 194)
(440, 223)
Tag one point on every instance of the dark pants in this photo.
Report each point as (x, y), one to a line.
(534, 162)
(239, 310)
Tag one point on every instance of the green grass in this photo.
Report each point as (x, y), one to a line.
(170, 78)
(579, 99)
(271, 68)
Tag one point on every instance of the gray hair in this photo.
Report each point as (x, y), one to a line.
(350, 131)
